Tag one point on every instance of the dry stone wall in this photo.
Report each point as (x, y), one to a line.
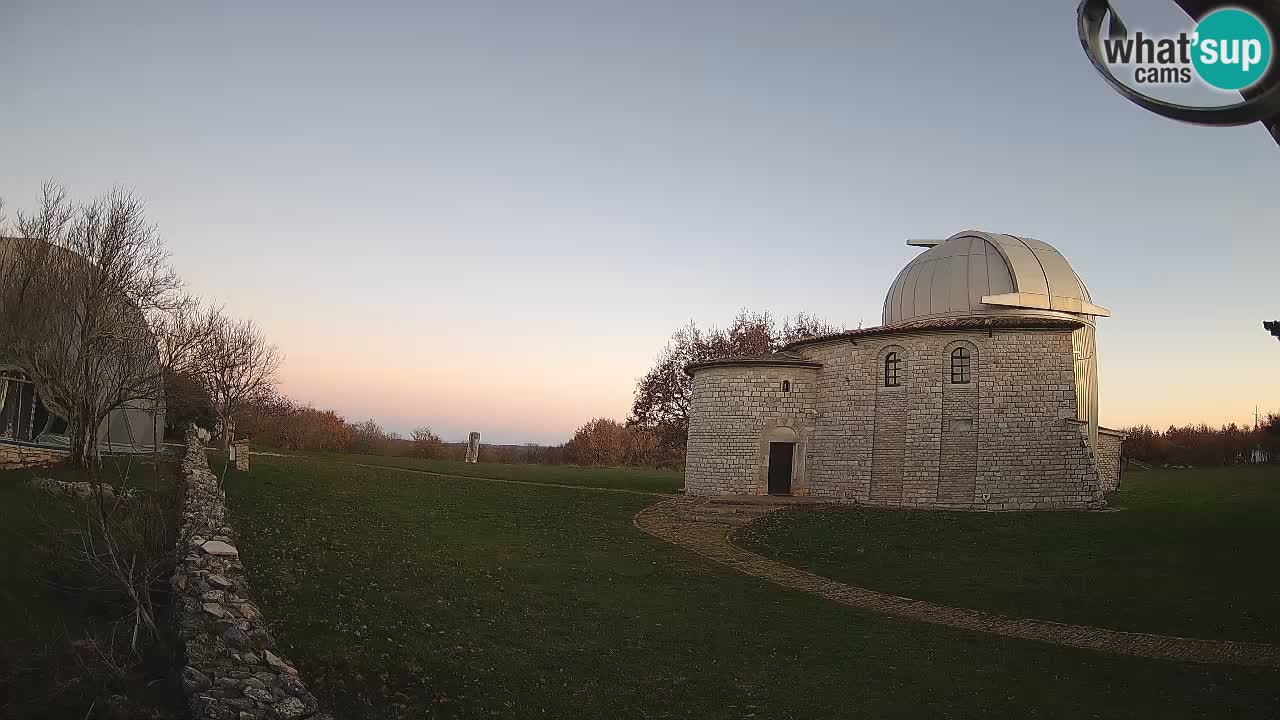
(1007, 440)
(234, 670)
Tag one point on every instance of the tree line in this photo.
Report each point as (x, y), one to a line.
(654, 435)
(277, 421)
(1201, 445)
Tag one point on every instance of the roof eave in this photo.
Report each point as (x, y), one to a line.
(1037, 301)
(691, 368)
(1027, 322)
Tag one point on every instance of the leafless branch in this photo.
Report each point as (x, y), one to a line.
(79, 289)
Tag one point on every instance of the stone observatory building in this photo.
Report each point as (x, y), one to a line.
(978, 391)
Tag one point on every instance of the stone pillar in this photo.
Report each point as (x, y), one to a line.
(240, 453)
(473, 447)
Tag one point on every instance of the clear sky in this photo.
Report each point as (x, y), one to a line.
(491, 215)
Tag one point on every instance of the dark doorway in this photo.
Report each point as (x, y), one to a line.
(780, 467)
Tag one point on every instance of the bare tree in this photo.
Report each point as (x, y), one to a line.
(804, 326)
(370, 438)
(427, 444)
(78, 289)
(184, 332)
(183, 335)
(239, 368)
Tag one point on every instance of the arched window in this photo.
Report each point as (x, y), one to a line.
(786, 386)
(960, 366)
(891, 370)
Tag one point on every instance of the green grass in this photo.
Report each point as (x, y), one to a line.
(1192, 553)
(29, 608)
(407, 595)
(646, 480)
(44, 608)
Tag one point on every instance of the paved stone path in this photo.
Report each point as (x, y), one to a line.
(706, 526)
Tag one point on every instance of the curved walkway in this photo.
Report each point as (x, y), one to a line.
(705, 526)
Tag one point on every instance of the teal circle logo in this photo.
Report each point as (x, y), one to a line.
(1232, 49)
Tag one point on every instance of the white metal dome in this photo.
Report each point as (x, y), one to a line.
(976, 273)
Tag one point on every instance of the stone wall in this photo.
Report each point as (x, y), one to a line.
(1008, 440)
(958, 449)
(233, 669)
(1033, 451)
(20, 456)
(888, 440)
(733, 413)
(1109, 445)
(240, 451)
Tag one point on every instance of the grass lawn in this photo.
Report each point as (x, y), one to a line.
(659, 481)
(1193, 553)
(408, 595)
(29, 608)
(41, 674)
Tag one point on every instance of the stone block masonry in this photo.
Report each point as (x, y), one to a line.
(19, 456)
(735, 413)
(1109, 445)
(1004, 437)
(233, 671)
(240, 452)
